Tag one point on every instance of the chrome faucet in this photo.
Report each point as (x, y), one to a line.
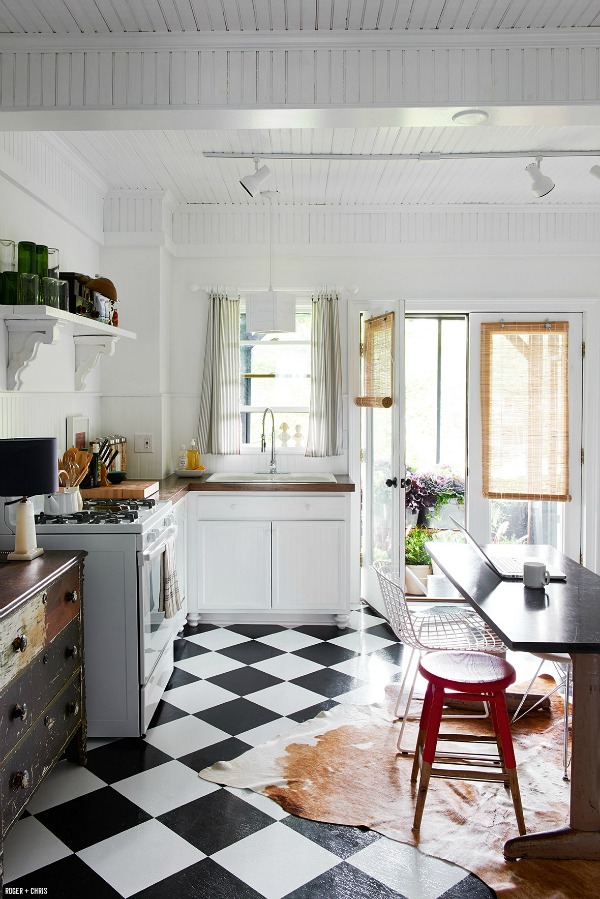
(263, 440)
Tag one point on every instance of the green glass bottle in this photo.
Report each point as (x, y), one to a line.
(10, 288)
(41, 262)
(26, 258)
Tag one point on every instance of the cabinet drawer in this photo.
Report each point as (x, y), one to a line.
(63, 601)
(298, 508)
(24, 698)
(31, 759)
(22, 637)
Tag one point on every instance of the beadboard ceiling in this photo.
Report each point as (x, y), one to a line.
(133, 160)
(126, 16)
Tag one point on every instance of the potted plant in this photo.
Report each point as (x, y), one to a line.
(417, 560)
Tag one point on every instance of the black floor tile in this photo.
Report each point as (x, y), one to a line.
(397, 654)
(340, 839)
(69, 878)
(244, 680)
(323, 631)
(251, 652)
(91, 818)
(328, 682)
(469, 888)
(369, 610)
(164, 713)
(256, 630)
(325, 653)
(344, 882)
(185, 649)
(181, 678)
(198, 629)
(237, 716)
(123, 758)
(313, 711)
(204, 880)
(384, 631)
(215, 821)
(216, 752)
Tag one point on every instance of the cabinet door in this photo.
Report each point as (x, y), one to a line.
(309, 565)
(234, 565)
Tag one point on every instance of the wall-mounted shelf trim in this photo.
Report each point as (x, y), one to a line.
(29, 327)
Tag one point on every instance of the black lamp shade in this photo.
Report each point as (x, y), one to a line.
(28, 466)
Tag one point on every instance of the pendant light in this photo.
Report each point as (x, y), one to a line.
(270, 310)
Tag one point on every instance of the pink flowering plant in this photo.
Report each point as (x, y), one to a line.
(431, 490)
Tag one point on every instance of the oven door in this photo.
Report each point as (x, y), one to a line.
(156, 631)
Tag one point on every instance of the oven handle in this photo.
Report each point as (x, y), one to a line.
(157, 548)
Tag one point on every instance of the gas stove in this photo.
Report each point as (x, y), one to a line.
(102, 512)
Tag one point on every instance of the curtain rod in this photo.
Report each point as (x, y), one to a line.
(195, 288)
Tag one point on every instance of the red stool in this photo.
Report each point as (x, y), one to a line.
(467, 676)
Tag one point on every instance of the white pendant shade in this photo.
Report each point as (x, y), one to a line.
(270, 310)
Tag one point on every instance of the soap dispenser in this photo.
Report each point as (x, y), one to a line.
(182, 458)
(193, 456)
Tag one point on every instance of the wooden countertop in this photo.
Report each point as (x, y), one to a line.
(175, 488)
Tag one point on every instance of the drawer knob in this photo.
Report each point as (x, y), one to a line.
(307, 506)
(20, 711)
(72, 708)
(234, 505)
(44, 599)
(71, 652)
(19, 780)
(71, 596)
(19, 644)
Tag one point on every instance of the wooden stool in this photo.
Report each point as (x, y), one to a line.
(465, 675)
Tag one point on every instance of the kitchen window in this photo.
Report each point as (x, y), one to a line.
(275, 373)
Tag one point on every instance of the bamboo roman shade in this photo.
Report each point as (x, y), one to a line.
(378, 361)
(524, 410)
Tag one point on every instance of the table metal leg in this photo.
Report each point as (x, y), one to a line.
(582, 838)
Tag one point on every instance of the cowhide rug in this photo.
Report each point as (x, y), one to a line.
(342, 768)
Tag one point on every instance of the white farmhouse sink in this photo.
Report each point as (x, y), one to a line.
(231, 477)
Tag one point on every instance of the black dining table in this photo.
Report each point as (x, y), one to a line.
(564, 617)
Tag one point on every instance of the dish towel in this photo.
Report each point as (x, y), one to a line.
(171, 597)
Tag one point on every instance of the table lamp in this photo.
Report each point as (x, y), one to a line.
(28, 466)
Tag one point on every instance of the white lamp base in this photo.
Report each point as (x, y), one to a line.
(25, 557)
(26, 547)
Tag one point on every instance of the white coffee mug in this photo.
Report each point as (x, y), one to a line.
(535, 574)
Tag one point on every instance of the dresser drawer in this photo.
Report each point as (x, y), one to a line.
(28, 695)
(37, 752)
(22, 637)
(63, 602)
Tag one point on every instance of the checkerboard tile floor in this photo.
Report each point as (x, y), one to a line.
(138, 821)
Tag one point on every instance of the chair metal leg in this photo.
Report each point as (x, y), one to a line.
(516, 715)
(566, 724)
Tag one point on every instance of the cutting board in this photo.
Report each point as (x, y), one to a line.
(126, 490)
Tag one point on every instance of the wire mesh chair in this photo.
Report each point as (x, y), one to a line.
(563, 666)
(445, 627)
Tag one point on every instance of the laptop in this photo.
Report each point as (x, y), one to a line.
(506, 567)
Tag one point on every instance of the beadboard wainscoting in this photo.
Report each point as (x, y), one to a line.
(45, 415)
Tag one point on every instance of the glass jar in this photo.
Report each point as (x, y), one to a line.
(7, 256)
(53, 268)
(50, 292)
(29, 289)
(63, 295)
(26, 257)
(41, 261)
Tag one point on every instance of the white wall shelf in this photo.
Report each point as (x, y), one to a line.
(29, 327)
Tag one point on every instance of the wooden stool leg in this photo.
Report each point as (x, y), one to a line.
(425, 712)
(494, 717)
(433, 727)
(499, 702)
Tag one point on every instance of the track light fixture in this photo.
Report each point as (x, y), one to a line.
(255, 182)
(542, 184)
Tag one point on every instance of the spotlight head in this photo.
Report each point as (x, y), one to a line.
(542, 184)
(595, 171)
(255, 182)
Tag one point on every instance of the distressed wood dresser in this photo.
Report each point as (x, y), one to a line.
(42, 696)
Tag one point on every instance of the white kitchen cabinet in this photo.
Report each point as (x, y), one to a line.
(277, 558)
(180, 516)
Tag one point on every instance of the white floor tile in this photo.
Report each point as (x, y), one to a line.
(275, 860)
(28, 846)
(266, 732)
(368, 669)
(263, 803)
(199, 696)
(164, 787)
(220, 638)
(140, 856)
(287, 666)
(67, 781)
(366, 695)
(361, 641)
(208, 665)
(286, 698)
(362, 620)
(288, 640)
(405, 869)
(178, 738)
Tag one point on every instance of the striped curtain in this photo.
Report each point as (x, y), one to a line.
(325, 418)
(219, 421)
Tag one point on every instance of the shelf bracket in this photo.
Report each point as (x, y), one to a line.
(89, 348)
(24, 341)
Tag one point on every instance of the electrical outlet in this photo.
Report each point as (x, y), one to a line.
(142, 443)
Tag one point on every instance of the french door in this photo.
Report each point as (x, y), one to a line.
(382, 469)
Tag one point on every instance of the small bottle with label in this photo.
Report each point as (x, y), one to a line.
(182, 458)
(193, 456)
(94, 469)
